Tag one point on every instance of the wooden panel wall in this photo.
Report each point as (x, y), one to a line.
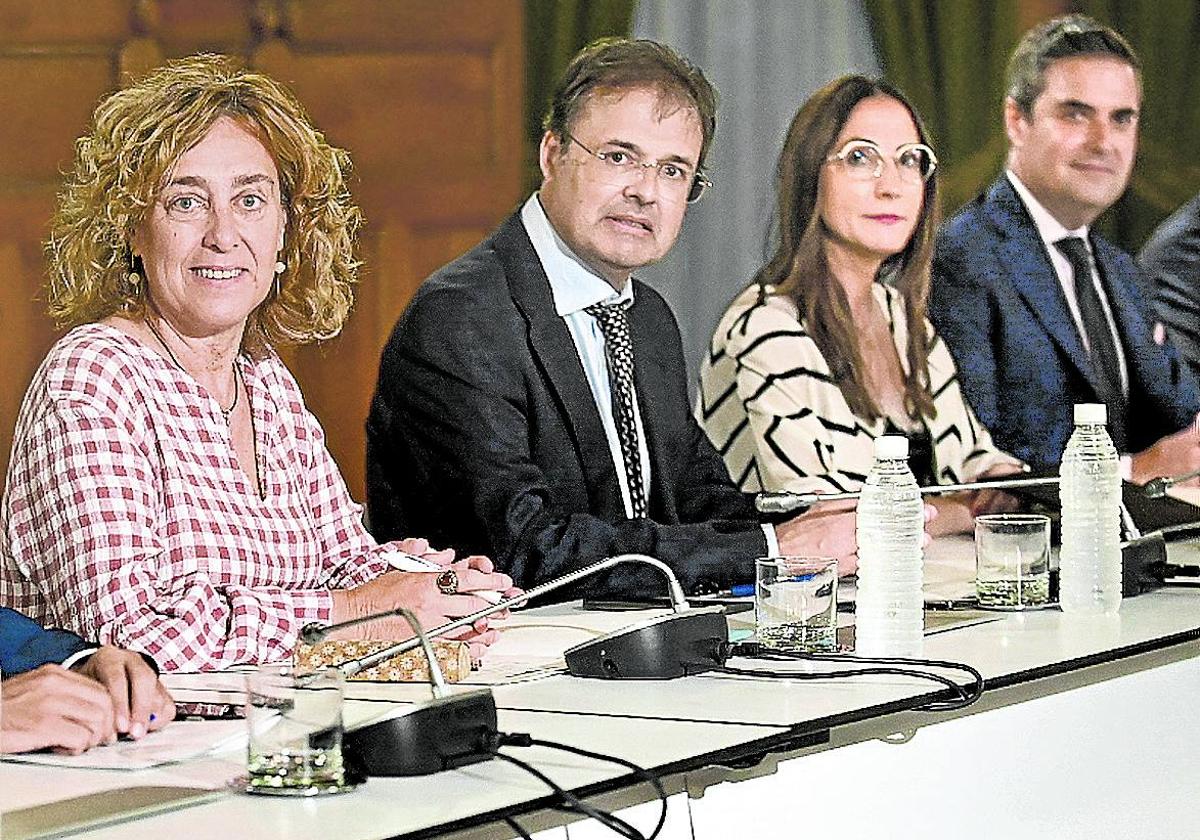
(427, 97)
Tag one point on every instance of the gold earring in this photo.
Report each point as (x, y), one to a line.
(135, 282)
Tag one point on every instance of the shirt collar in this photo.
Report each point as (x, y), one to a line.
(1049, 228)
(573, 285)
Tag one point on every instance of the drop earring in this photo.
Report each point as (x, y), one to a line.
(280, 267)
(133, 279)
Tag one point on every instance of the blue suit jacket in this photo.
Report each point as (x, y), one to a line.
(998, 304)
(25, 645)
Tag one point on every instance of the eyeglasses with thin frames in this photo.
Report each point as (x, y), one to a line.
(863, 160)
(624, 167)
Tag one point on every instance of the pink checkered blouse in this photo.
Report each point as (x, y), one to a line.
(127, 519)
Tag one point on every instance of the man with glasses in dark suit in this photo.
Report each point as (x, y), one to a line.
(532, 401)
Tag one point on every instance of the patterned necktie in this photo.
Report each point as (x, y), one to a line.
(618, 349)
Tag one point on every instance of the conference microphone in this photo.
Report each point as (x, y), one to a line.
(1156, 488)
(662, 647)
(425, 738)
(784, 502)
(316, 632)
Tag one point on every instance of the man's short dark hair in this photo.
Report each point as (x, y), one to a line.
(1062, 37)
(621, 64)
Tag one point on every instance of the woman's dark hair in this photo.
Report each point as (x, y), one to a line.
(798, 267)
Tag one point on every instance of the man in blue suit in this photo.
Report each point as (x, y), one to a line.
(63, 693)
(1040, 312)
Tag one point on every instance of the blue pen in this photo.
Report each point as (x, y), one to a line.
(742, 590)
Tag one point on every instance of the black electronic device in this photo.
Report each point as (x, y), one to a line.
(663, 647)
(1143, 564)
(437, 735)
(451, 730)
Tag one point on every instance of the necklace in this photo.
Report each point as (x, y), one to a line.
(227, 413)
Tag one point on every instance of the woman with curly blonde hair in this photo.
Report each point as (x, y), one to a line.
(168, 490)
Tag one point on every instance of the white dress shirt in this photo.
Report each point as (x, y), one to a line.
(1051, 231)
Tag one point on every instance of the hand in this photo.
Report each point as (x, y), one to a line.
(419, 592)
(825, 530)
(995, 501)
(954, 514)
(418, 547)
(1173, 455)
(53, 707)
(140, 702)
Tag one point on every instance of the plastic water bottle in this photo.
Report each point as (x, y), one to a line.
(1090, 489)
(889, 613)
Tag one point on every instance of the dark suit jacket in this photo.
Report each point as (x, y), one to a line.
(24, 645)
(999, 306)
(484, 435)
(1171, 262)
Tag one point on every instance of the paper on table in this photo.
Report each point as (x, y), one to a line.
(180, 741)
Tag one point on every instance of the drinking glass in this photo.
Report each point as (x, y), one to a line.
(795, 603)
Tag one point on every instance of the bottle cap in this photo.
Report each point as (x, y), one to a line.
(891, 448)
(1091, 414)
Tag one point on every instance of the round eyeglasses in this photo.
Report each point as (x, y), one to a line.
(623, 167)
(863, 160)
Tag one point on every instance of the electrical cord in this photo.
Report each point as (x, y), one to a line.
(570, 802)
(963, 696)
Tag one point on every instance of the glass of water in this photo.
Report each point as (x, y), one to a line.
(295, 721)
(795, 603)
(1012, 560)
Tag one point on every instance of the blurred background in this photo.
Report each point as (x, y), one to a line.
(440, 107)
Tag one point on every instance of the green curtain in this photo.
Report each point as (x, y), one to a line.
(554, 31)
(1164, 33)
(949, 57)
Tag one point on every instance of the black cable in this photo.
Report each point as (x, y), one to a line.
(516, 826)
(570, 801)
(574, 803)
(963, 696)
(644, 774)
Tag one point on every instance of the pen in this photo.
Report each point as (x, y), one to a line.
(742, 590)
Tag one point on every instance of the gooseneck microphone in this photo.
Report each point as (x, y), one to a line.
(658, 648)
(1156, 488)
(316, 632)
(783, 502)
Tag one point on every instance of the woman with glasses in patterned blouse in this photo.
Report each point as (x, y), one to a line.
(830, 347)
(168, 490)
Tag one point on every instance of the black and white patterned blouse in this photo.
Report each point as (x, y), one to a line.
(770, 406)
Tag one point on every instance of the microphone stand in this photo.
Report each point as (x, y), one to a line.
(1156, 488)
(783, 502)
(351, 667)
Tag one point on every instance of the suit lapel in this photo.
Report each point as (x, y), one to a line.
(555, 354)
(1023, 257)
(654, 381)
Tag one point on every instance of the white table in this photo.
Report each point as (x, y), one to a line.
(1086, 724)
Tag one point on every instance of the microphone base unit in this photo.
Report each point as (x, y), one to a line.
(1143, 561)
(441, 734)
(659, 648)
